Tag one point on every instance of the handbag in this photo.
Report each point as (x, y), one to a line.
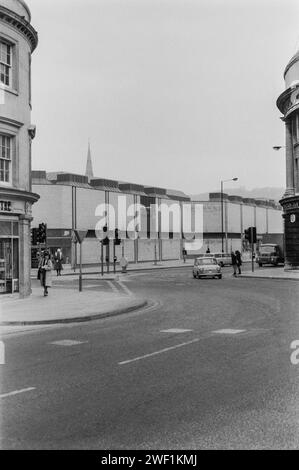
(38, 273)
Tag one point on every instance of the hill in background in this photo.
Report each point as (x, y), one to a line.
(258, 193)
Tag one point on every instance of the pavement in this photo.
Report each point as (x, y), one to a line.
(132, 267)
(272, 273)
(65, 305)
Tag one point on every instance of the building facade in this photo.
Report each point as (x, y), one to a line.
(288, 104)
(77, 202)
(18, 39)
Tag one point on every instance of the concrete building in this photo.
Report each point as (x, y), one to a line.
(18, 40)
(69, 202)
(288, 104)
(238, 214)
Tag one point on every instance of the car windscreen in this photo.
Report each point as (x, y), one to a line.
(267, 249)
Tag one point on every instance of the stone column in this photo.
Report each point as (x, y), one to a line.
(24, 256)
(289, 160)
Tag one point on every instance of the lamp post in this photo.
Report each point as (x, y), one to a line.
(222, 224)
(278, 147)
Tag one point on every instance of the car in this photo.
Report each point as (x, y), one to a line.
(223, 259)
(206, 267)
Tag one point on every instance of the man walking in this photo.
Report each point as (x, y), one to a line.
(239, 260)
(234, 263)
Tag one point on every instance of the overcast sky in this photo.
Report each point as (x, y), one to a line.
(171, 93)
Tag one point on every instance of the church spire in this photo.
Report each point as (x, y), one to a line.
(89, 170)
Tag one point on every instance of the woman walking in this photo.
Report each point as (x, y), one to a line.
(58, 262)
(45, 275)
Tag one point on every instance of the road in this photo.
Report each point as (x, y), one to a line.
(206, 366)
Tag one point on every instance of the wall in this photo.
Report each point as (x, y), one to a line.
(54, 206)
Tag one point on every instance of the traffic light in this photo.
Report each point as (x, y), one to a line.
(117, 240)
(105, 240)
(250, 234)
(42, 233)
(253, 233)
(34, 236)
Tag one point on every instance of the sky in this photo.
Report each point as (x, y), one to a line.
(171, 93)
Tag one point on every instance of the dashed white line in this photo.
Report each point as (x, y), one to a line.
(175, 330)
(67, 342)
(161, 351)
(17, 392)
(228, 331)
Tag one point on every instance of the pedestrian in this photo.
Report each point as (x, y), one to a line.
(58, 262)
(208, 250)
(239, 260)
(44, 269)
(234, 263)
(184, 255)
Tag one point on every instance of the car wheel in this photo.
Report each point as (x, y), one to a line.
(220, 276)
(194, 275)
(260, 265)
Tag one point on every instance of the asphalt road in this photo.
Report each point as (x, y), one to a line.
(206, 366)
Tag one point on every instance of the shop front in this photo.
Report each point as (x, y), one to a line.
(9, 255)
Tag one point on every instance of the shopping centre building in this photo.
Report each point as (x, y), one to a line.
(69, 201)
(18, 40)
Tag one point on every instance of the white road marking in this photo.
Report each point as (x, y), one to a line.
(161, 351)
(175, 330)
(125, 288)
(228, 331)
(16, 392)
(113, 287)
(67, 342)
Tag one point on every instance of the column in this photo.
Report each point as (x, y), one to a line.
(24, 256)
(289, 160)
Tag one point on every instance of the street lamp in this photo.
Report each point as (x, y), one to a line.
(278, 147)
(222, 234)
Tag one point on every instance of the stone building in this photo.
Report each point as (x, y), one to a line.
(288, 104)
(18, 39)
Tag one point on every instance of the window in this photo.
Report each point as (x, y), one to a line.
(295, 128)
(5, 63)
(5, 158)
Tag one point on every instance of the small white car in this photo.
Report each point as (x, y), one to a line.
(206, 267)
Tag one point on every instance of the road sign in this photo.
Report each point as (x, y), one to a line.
(80, 235)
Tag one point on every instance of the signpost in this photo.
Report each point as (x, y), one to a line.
(80, 235)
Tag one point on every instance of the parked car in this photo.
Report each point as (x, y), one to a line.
(271, 250)
(206, 267)
(223, 259)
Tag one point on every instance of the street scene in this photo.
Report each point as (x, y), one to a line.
(205, 364)
(149, 228)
